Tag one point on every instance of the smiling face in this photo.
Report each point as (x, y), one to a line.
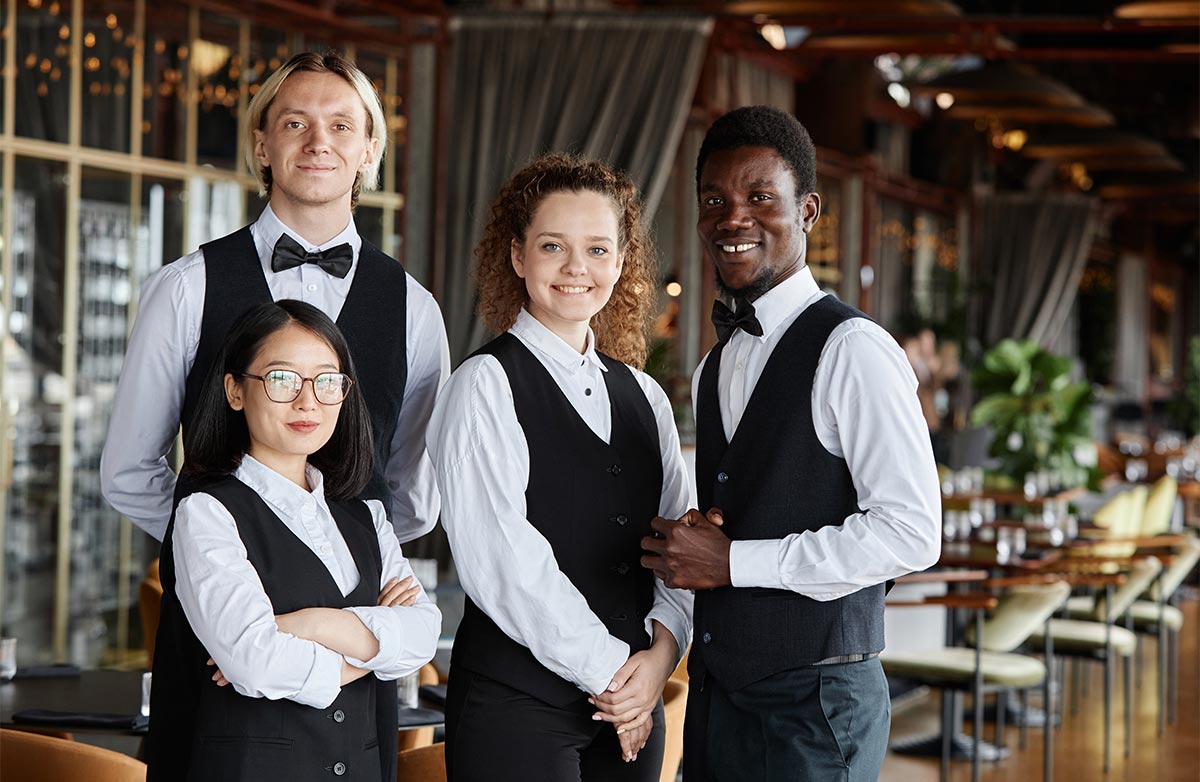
(284, 434)
(751, 223)
(315, 141)
(570, 260)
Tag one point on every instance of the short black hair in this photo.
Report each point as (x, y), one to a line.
(764, 126)
(217, 435)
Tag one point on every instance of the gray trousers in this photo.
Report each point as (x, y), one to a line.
(825, 723)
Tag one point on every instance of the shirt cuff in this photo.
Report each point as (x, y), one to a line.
(388, 634)
(597, 678)
(755, 563)
(678, 626)
(324, 681)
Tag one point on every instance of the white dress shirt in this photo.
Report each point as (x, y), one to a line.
(223, 598)
(507, 567)
(864, 410)
(134, 474)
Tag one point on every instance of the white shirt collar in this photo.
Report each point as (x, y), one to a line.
(278, 491)
(537, 336)
(775, 306)
(268, 228)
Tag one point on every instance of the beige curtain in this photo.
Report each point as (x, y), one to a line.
(1029, 253)
(616, 89)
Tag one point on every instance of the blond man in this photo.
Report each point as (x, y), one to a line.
(315, 138)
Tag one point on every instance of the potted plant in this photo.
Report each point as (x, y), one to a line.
(1040, 419)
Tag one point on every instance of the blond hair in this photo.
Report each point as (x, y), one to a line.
(330, 62)
(621, 326)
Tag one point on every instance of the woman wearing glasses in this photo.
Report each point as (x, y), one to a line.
(290, 595)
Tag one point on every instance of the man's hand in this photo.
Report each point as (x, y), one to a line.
(691, 553)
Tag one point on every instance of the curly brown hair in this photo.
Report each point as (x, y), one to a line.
(622, 325)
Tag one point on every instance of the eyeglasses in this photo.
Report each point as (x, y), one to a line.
(284, 385)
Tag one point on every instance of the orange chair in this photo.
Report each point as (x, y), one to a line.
(420, 737)
(150, 607)
(674, 707)
(423, 764)
(29, 757)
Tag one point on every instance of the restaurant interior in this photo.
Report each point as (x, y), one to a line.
(1011, 189)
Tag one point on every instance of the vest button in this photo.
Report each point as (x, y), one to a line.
(622, 568)
(339, 716)
(615, 469)
(722, 477)
(622, 519)
(707, 638)
(339, 769)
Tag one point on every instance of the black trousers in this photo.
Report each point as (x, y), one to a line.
(495, 733)
(822, 723)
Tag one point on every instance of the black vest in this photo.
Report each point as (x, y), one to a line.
(374, 322)
(373, 319)
(775, 479)
(593, 502)
(200, 731)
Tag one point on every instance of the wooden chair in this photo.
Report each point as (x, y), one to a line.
(1100, 639)
(991, 666)
(674, 706)
(420, 737)
(30, 757)
(422, 764)
(150, 607)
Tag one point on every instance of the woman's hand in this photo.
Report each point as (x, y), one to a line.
(399, 592)
(633, 735)
(638, 684)
(218, 677)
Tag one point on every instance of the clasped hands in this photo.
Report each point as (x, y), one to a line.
(689, 553)
(629, 701)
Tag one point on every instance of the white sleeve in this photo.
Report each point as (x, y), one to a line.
(865, 410)
(135, 477)
(672, 607)
(225, 604)
(409, 473)
(407, 635)
(506, 566)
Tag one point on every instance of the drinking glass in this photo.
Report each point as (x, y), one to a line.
(8, 658)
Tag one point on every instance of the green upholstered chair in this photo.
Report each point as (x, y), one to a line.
(989, 667)
(1099, 638)
(1160, 506)
(1153, 614)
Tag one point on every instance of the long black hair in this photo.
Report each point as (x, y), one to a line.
(217, 435)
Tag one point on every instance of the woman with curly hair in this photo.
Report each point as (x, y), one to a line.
(553, 453)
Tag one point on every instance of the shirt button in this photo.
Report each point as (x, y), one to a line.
(722, 477)
(339, 716)
(707, 638)
(741, 365)
(312, 286)
(339, 768)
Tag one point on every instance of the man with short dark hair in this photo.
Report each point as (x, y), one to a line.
(813, 458)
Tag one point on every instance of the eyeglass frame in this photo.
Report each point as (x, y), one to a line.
(345, 390)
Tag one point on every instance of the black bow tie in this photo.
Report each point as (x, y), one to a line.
(289, 254)
(726, 321)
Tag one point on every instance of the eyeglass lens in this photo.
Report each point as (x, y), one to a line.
(284, 385)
